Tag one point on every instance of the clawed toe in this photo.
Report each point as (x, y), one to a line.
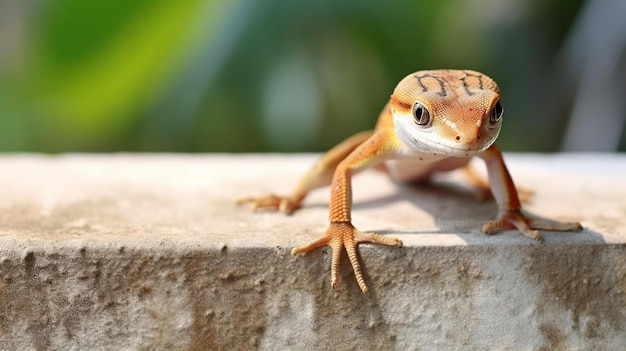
(271, 202)
(340, 236)
(556, 226)
(514, 219)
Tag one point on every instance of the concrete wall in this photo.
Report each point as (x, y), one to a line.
(141, 252)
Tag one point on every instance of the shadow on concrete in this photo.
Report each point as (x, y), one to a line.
(457, 210)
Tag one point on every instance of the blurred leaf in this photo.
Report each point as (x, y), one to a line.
(70, 31)
(109, 74)
(196, 75)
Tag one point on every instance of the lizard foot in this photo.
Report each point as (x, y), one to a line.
(343, 235)
(514, 219)
(284, 204)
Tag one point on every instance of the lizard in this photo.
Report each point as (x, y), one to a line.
(435, 120)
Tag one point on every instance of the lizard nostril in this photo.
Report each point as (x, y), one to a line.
(458, 138)
(478, 137)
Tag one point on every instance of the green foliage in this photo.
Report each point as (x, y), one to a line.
(275, 75)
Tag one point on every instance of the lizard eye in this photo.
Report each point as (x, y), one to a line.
(496, 113)
(421, 114)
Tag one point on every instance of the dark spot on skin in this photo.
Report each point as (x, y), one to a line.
(458, 138)
(478, 137)
(421, 159)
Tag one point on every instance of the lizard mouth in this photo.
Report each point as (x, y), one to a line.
(428, 141)
(444, 148)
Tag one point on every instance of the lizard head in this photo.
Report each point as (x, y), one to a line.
(447, 112)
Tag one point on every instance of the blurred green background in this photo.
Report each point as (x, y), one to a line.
(280, 75)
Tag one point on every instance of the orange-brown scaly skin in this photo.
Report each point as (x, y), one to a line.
(435, 121)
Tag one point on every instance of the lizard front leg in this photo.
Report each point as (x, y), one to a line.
(341, 233)
(509, 207)
(320, 175)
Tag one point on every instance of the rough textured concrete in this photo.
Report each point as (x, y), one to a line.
(141, 252)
